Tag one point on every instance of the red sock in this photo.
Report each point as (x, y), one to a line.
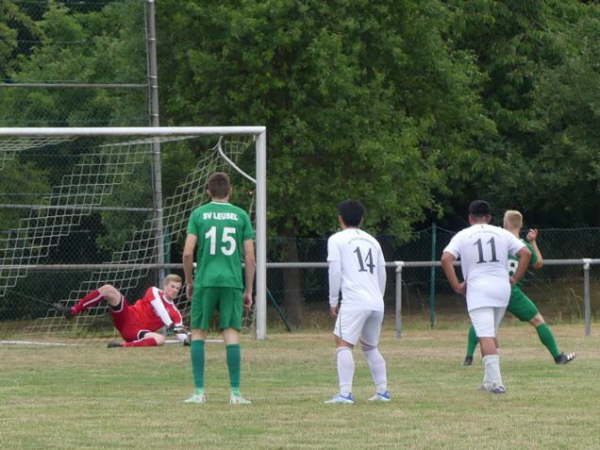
(91, 299)
(145, 342)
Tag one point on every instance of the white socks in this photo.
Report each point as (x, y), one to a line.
(345, 368)
(491, 371)
(377, 366)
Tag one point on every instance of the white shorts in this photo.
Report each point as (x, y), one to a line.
(353, 325)
(486, 320)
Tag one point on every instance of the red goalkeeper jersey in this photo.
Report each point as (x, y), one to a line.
(154, 310)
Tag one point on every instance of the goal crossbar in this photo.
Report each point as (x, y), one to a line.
(260, 134)
(130, 131)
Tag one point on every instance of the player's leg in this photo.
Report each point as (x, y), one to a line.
(146, 339)
(472, 342)
(231, 307)
(369, 343)
(203, 304)
(107, 293)
(347, 330)
(485, 321)
(526, 311)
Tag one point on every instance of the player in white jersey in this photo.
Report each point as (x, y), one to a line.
(357, 269)
(483, 250)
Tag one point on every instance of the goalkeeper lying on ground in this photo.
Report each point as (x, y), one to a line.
(138, 323)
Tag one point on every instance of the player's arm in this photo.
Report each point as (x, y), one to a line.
(524, 257)
(381, 273)
(249, 271)
(188, 262)
(448, 268)
(334, 261)
(335, 284)
(532, 239)
(159, 308)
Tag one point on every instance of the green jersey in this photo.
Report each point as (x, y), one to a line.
(221, 229)
(513, 261)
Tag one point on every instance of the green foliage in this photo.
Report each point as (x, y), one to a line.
(359, 100)
(24, 178)
(95, 47)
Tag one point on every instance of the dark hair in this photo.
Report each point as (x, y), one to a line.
(218, 185)
(480, 208)
(352, 212)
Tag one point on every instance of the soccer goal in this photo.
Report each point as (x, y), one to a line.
(81, 207)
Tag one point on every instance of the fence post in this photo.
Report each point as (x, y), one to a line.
(399, 265)
(587, 310)
(432, 275)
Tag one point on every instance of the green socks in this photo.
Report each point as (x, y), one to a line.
(471, 342)
(234, 366)
(547, 338)
(197, 351)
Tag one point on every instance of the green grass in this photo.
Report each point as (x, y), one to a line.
(93, 397)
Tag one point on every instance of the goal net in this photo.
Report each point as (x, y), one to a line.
(123, 194)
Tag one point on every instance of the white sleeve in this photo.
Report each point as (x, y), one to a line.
(453, 246)
(514, 244)
(159, 308)
(381, 273)
(335, 282)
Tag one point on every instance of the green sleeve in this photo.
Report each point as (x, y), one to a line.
(534, 257)
(192, 227)
(248, 232)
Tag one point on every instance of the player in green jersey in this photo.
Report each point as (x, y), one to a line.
(520, 305)
(222, 234)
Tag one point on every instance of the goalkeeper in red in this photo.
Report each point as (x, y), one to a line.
(222, 234)
(519, 304)
(138, 324)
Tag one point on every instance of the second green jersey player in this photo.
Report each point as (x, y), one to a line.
(520, 305)
(222, 236)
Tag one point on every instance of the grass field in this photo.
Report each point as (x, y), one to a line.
(93, 397)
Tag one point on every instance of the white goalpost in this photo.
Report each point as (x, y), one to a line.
(86, 186)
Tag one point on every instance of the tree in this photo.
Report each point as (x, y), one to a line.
(359, 100)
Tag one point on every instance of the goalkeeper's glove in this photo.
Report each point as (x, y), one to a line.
(177, 329)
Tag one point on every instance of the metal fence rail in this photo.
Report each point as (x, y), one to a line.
(398, 266)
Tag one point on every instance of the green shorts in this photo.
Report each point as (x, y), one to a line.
(521, 306)
(227, 301)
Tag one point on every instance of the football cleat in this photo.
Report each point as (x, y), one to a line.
(468, 361)
(196, 398)
(341, 398)
(114, 344)
(564, 358)
(493, 388)
(62, 309)
(381, 397)
(236, 399)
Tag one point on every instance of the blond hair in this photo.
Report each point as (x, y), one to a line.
(513, 219)
(172, 277)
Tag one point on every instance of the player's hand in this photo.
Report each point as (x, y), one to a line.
(177, 328)
(461, 288)
(189, 290)
(513, 281)
(247, 300)
(333, 311)
(532, 235)
(180, 329)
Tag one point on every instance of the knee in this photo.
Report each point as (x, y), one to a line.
(107, 290)
(367, 347)
(160, 339)
(537, 320)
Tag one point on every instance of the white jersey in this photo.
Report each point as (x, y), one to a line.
(483, 251)
(357, 268)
